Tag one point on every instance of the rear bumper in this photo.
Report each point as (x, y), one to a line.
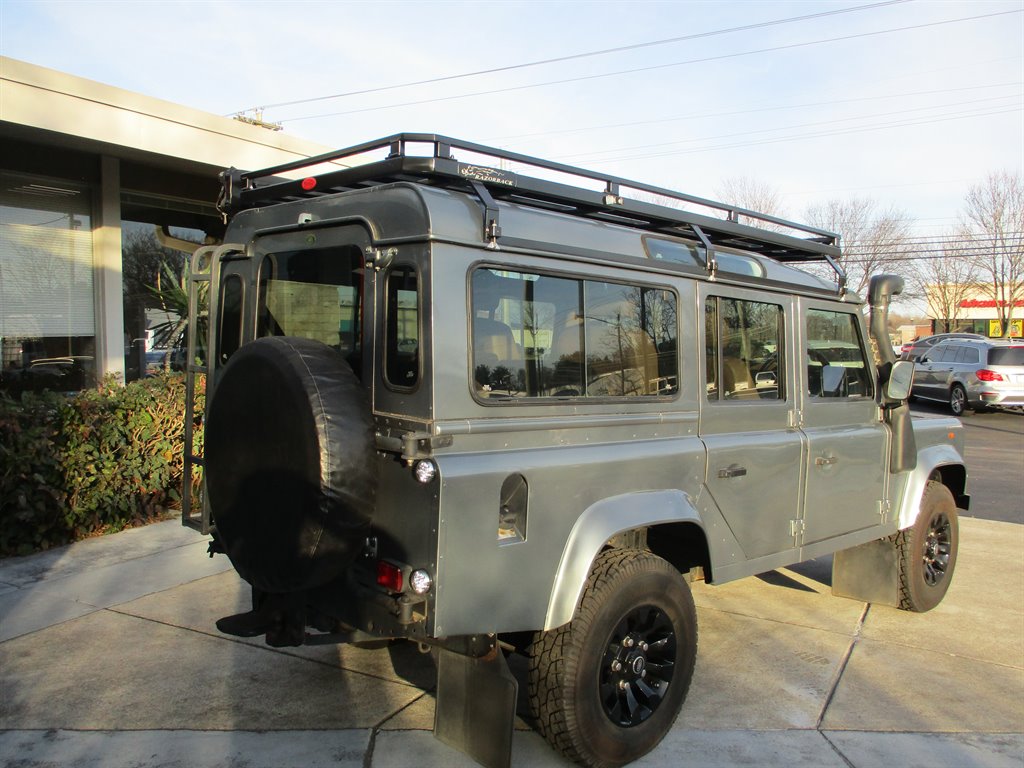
(999, 397)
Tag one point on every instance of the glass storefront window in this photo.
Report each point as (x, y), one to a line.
(154, 321)
(47, 322)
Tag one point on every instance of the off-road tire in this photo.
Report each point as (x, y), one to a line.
(928, 551)
(634, 597)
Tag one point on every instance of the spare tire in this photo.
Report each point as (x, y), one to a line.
(290, 463)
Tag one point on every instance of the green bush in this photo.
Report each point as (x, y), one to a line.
(97, 462)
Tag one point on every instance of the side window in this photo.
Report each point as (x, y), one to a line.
(744, 350)
(968, 355)
(402, 329)
(679, 251)
(229, 332)
(836, 358)
(539, 335)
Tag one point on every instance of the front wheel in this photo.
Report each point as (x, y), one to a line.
(927, 551)
(606, 688)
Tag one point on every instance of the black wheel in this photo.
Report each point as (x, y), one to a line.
(928, 551)
(958, 400)
(606, 688)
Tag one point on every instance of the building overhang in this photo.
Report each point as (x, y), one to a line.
(47, 107)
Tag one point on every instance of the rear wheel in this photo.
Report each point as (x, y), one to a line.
(928, 550)
(958, 400)
(606, 688)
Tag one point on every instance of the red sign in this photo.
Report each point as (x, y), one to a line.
(987, 304)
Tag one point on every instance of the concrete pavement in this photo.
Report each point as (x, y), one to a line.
(109, 657)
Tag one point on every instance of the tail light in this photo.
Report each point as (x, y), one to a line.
(986, 375)
(389, 576)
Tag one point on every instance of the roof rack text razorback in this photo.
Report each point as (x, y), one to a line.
(496, 411)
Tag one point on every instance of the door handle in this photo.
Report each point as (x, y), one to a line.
(733, 470)
(824, 461)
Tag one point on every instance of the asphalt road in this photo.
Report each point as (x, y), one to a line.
(995, 461)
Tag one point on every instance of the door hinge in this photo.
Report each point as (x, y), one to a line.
(796, 419)
(884, 508)
(796, 530)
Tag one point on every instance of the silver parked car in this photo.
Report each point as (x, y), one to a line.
(917, 349)
(972, 374)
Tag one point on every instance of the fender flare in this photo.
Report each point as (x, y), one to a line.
(929, 460)
(600, 522)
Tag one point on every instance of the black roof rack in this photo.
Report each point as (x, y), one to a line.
(721, 226)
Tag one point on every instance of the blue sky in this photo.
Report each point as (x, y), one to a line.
(908, 103)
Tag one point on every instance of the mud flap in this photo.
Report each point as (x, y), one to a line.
(476, 706)
(869, 573)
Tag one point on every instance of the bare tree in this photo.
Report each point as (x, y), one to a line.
(752, 194)
(874, 240)
(993, 230)
(945, 282)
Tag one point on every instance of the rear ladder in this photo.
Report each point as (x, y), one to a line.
(204, 270)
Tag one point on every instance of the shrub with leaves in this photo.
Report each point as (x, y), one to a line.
(102, 460)
(33, 498)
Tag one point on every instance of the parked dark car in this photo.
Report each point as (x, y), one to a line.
(915, 350)
(972, 374)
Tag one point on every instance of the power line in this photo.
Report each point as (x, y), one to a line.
(786, 127)
(819, 134)
(652, 67)
(915, 256)
(756, 110)
(575, 56)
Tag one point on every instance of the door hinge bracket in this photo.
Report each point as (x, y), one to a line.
(413, 446)
(796, 530)
(884, 508)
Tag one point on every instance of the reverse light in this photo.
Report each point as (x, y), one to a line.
(420, 581)
(986, 375)
(389, 576)
(425, 471)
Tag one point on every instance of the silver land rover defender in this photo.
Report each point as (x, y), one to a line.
(492, 404)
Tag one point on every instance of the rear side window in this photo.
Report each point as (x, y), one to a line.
(229, 335)
(968, 355)
(836, 358)
(402, 329)
(543, 336)
(314, 294)
(1006, 356)
(745, 355)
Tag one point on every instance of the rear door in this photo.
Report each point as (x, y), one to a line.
(747, 417)
(313, 284)
(931, 370)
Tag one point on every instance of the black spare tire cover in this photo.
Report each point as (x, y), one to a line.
(290, 463)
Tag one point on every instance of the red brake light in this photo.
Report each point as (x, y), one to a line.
(389, 576)
(986, 375)
(308, 183)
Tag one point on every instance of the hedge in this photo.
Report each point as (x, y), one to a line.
(97, 462)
